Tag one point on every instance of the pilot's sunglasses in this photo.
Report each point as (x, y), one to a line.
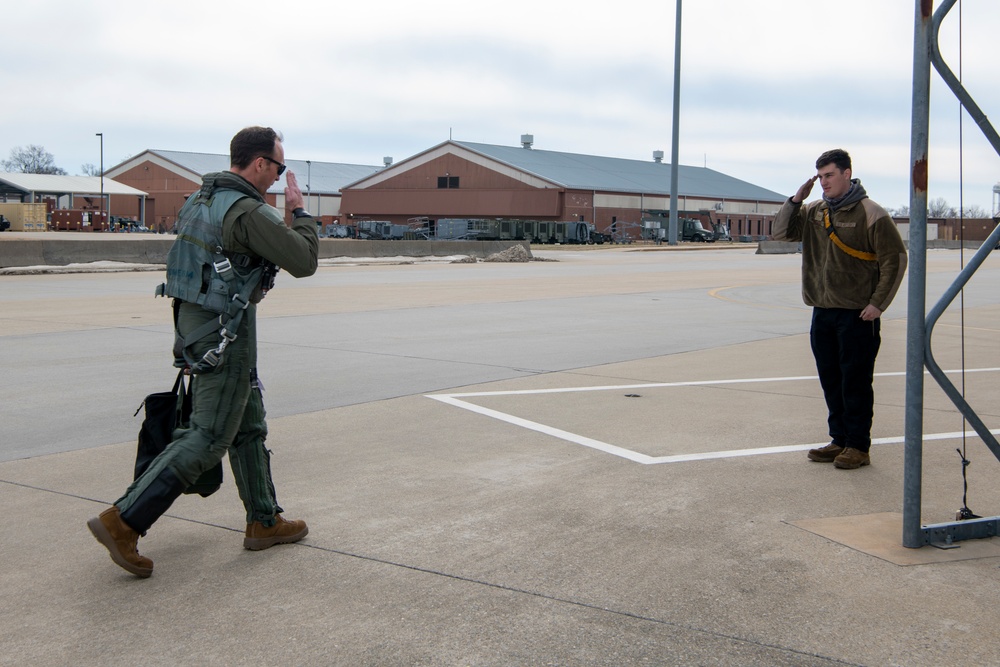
(281, 167)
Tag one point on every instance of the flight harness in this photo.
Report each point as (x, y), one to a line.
(226, 291)
(229, 320)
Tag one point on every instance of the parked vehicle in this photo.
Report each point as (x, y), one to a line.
(380, 230)
(339, 232)
(454, 229)
(478, 229)
(475, 229)
(597, 237)
(510, 230)
(538, 231)
(571, 232)
(692, 230)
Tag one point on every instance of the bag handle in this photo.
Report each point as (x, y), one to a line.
(182, 390)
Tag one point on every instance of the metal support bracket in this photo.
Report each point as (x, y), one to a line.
(919, 353)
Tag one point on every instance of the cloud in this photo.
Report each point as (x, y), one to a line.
(766, 85)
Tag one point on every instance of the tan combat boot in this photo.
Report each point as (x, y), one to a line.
(260, 537)
(121, 541)
(852, 458)
(825, 454)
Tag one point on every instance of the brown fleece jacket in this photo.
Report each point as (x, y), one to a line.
(830, 277)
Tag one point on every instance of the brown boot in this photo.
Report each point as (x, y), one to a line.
(825, 454)
(261, 537)
(121, 541)
(851, 459)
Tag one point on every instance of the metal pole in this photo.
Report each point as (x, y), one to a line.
(917, 285)
(101, 135)
(309, 170)
(674, 149)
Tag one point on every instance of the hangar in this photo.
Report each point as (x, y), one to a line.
(468, 179)
(170, 177)
(458, 179)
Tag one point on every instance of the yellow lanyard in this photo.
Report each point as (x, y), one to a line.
(860, 254)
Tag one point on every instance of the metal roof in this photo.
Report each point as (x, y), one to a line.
(318, 178)
(18, 184)
(607, 174)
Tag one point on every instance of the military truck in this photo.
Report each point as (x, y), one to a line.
(690, 229)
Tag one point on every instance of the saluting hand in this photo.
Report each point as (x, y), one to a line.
(293, 195)
(803, 192)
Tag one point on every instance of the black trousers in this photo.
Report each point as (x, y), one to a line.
(845, 347)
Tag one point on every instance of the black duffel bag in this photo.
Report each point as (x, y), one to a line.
(166, 411)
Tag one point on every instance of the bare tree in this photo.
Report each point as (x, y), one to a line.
(31, 160)
(939, 208)
(90, 170)
(975, 211)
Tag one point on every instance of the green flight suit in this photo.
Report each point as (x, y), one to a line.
(227, 409)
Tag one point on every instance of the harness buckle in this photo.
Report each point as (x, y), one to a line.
(243, 303)
(211, 359)
(223, 267)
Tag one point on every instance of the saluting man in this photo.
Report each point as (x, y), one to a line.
(853, 261)
(228, 212)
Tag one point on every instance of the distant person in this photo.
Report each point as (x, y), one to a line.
(853, 261)
(229, 211)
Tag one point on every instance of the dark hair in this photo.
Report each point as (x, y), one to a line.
(838, 157)
(251, 143)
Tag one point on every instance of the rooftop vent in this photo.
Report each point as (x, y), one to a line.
(657, 156)
(387, 160)
(527, 140)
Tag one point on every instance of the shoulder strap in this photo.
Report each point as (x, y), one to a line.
(226, 326)
(859, 254)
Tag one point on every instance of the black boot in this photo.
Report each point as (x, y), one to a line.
(153, 502)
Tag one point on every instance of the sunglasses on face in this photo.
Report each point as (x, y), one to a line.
(281, 167)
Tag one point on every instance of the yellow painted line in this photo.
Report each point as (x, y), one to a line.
(717, 294)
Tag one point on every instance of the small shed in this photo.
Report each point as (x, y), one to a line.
(66, 190)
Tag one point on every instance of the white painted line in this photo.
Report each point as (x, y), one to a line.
(548, 430)
(637, 457)
(705, 456)
(691, 383)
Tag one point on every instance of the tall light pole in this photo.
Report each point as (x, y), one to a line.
(674, 149)
(101, 135)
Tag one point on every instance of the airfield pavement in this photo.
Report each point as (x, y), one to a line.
(598, 460)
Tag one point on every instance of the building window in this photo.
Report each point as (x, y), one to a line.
(447, 182)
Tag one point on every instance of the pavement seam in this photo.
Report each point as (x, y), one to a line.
(488, 584)
(575, 603)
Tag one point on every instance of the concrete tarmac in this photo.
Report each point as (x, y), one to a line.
(598, 460)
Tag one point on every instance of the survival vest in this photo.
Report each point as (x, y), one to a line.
(199, 271)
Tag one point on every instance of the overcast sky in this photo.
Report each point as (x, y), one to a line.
(766, 85)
